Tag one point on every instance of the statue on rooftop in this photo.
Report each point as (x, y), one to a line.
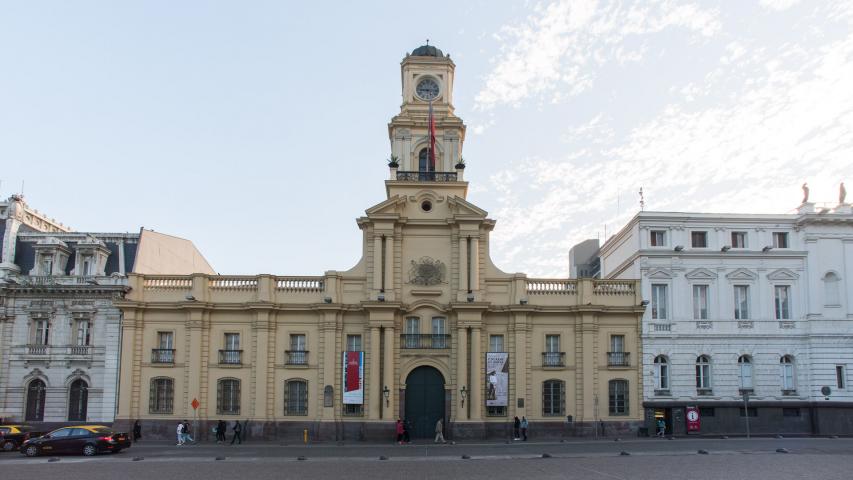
(805, 192)
(842, 194)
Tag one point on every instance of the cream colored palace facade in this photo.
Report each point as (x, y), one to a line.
(425, 305)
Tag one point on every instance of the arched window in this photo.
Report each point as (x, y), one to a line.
(35, 401)
(618, 397)
(78, 400)
(296, 397)
(553, 398)
(661, 373)
(786, 364)
(703, 372)
(830, 288)
(425, 167)
(745, 372)
(228, 396)
(161, 396)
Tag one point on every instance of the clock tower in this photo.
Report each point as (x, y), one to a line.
(427, 81)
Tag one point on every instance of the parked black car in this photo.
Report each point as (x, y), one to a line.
(86, 439)
(12, 436)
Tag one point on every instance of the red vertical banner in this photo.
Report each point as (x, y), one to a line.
(693, 419)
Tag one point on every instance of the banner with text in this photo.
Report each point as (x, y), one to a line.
(497, 379)
(353, 378)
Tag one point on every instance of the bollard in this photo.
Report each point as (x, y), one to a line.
(305, 436)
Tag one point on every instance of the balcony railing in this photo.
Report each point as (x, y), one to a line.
(618, 359)
(79, 350)
(426, 176)
(428, 340)
(37, 349)
(162, 355)
(297, 357)
(230, 357)
(553, 359)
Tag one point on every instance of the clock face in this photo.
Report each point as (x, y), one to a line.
(427, 89)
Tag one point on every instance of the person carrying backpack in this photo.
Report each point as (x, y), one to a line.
(237, 430)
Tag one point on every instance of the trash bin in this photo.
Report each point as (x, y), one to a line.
(643, 432)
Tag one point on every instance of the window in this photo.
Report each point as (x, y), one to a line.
(232, 341)
(86, 269)
(661, 373)
(658, 238)
(553, 398)
(741, 294)
(232, 353)
(617, 343)
(830, 288)
(164, 353)
(78, 399)
(617, 356)
(495, 411)
(165, 340)
(41, 332)
(83, 332)
(700, 302)
(228, 396)
(298, 354)
(745, 372)
(790, 412)
(425, 164)
(780, 239)
(552, 356)
(699, 239)
(413, 330)
(35, 401)
(353, 343)
(703, 373)
(353, 410)
(296, 397)
(706, 412)
(46, 264)
(618, 397)
(738, 239)
(439, 331)
(659, 302)
(496, 343)
(161, 396)
(782, 302)
(840, 377)
(751, 411)
(786, 364)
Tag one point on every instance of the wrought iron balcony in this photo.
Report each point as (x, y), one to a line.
(426, 176)
(230, 357)
(427, 341)
(618, 359)
(162, 355)
(297, 357)
(553, 359)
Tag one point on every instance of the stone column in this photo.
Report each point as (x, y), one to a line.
(377, 262)
(519, 330)
(260, 363)
(475, 263)
(389, 376)
(462, 373)
(374, 381)
(389, 267)
(329, 361)
(477, 375)
(192, 363)
(463, 263)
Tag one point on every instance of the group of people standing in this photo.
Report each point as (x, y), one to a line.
(519, 428)
(184, 437)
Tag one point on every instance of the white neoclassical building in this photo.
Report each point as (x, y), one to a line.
(739, 304)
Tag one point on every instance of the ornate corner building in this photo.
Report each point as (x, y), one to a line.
(423, 328)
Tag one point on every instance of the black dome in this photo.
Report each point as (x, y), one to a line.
(427, 51)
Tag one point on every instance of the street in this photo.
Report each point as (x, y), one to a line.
(680, 458)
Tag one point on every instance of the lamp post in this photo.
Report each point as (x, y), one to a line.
(387, 394)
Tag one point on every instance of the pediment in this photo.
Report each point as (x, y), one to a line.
(701, 274)
(782, 274)
(392, 206)
(660, 273)
(742, 274)
(460, 206)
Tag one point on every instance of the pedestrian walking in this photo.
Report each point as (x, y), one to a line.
(406, 431)
(180, 433)
(439, 431)
(399, 432)
(237, 430)
(661, 428)
(187, 437)
(221, 427)
(524, 426)
(137, 431)
(516, 426)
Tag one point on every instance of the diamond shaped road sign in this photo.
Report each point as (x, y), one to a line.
(195, 404)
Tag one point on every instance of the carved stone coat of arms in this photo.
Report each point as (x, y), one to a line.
(427, 271)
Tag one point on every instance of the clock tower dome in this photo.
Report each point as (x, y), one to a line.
(427, 84)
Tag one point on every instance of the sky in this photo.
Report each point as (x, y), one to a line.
(258, 129)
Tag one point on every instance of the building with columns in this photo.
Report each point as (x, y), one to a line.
(59, 329)
(743, 305)
(424, 327)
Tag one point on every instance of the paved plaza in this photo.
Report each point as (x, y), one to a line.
(736, 458)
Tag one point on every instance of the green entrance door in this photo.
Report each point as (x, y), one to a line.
(424, 401)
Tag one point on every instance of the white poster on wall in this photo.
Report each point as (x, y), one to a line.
(497, 379)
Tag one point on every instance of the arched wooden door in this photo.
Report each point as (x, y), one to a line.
(424, 401)
(35, 401)
(78, 401)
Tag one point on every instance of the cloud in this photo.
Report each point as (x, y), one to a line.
(778, 4)
(552, 53)
(740, 137)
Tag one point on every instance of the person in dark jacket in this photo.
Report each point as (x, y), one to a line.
(516, 426)
(221, 427)
(237, 429)
(137, 431)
